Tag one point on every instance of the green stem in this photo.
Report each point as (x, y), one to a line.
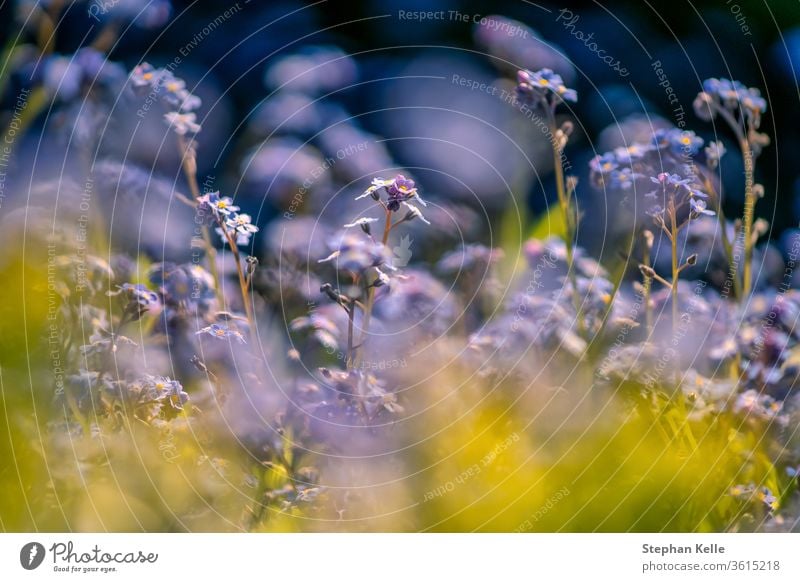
(358, 353)
(675, 273)
(5, 61)
(243, 286)
(76, 411)
(647, 288)
(749, 211)
(37, 100)
(350, 316)
(189, 165)
(685, 426)
(564, 202)
(749, 198)
(726, 242)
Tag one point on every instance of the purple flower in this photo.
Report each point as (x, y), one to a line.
(400, 191)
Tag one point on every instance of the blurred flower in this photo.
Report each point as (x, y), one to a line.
(514, 45)
(732, 96)
(470, 257)
(147, 14)
(604, 164)
(714, 152)
(356, 254)
(543, 87)
(186, 287)
(182, 123)
(220, 331)
(139, 300)
(757, 406)
(285, 171)
(290, 113)
(176, 95)
(144, 76)
(680, 142)
(67, 77)
(148, 397)
(240, 228)
(323, 323)
(313, 70)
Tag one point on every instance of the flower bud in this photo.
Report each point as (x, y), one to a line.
(648, 239)
(647, 271)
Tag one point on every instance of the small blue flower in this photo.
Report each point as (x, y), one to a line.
(604, 164)
(184, 287)
(177, 96)
(767, 498)
(219, 205)
(242, 224)
(677, 141)
(537, 87)
(698, 206)
(182, 123)
(665, 179)
(752, 100)
(145, 76)
(623, 179)
(731, 95)
(220, 331)
(714, 152)
(632, 153)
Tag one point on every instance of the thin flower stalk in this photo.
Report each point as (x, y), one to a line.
(741, 108)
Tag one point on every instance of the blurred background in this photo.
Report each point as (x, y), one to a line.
(398, 62)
